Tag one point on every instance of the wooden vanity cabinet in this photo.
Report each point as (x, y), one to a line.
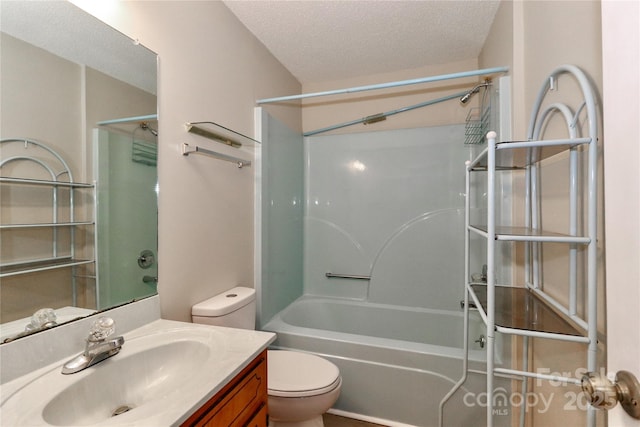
(242, 402)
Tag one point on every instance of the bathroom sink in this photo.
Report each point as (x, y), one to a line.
(150, 376)
(123, 383)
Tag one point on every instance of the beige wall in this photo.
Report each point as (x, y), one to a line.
(108, 99)
(560, 32)
(499, 50)
(48, 98)
(211, 69)
(32, 99)
(535, 37)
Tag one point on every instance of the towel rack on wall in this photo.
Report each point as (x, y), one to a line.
(222, 135)
(188, 149)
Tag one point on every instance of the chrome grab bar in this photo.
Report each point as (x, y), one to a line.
(347, 276)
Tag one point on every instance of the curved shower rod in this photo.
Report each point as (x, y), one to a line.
(463, 96)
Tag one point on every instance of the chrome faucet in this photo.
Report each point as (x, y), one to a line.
(97, 348)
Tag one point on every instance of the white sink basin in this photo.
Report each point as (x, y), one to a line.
(155, 379)
(126, 382)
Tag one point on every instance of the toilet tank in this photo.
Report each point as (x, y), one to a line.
(235, 308)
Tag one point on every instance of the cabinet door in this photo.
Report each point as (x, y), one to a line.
(260, 419)
(240, 402)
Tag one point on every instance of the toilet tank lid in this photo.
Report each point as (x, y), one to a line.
(224, 303)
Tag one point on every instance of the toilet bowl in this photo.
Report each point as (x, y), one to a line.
(301, 386)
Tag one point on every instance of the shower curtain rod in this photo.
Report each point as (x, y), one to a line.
(383, 116)
(387, 85)
(129, 120)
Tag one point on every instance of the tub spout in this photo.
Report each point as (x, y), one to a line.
(472, 305)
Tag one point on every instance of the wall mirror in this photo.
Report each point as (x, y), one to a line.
(78, 178)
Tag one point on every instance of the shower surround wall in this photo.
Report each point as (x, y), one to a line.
(127, 218)
(383, 204)
(279, 216)
(387, 205)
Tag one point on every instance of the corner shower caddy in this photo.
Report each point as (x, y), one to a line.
(528, 310)
(56, 167)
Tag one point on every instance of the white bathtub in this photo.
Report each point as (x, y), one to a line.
(396, 362)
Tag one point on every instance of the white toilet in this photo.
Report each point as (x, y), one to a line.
(301, 386)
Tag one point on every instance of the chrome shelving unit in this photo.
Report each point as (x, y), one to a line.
(47, 160)
(528, 310)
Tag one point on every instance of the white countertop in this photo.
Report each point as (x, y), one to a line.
(24, 399)
(64, 314)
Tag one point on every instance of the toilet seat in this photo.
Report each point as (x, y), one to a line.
(295, 374)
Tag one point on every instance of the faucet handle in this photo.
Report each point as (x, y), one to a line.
(43, 318)
(101, 328)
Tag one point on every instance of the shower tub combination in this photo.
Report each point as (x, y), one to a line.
(393, 371)
(394, 230)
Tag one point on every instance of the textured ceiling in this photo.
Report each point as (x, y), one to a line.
(326, 40)
(67, 31)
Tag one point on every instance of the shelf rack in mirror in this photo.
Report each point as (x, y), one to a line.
(43, 158)
(88, 72)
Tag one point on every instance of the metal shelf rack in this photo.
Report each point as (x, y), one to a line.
(528, 310)
(44, 159)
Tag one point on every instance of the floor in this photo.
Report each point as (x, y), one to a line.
(336, 421)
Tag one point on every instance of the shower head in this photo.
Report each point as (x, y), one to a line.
(466, 97)
(145, 126)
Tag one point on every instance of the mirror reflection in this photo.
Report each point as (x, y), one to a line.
(78, 179)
